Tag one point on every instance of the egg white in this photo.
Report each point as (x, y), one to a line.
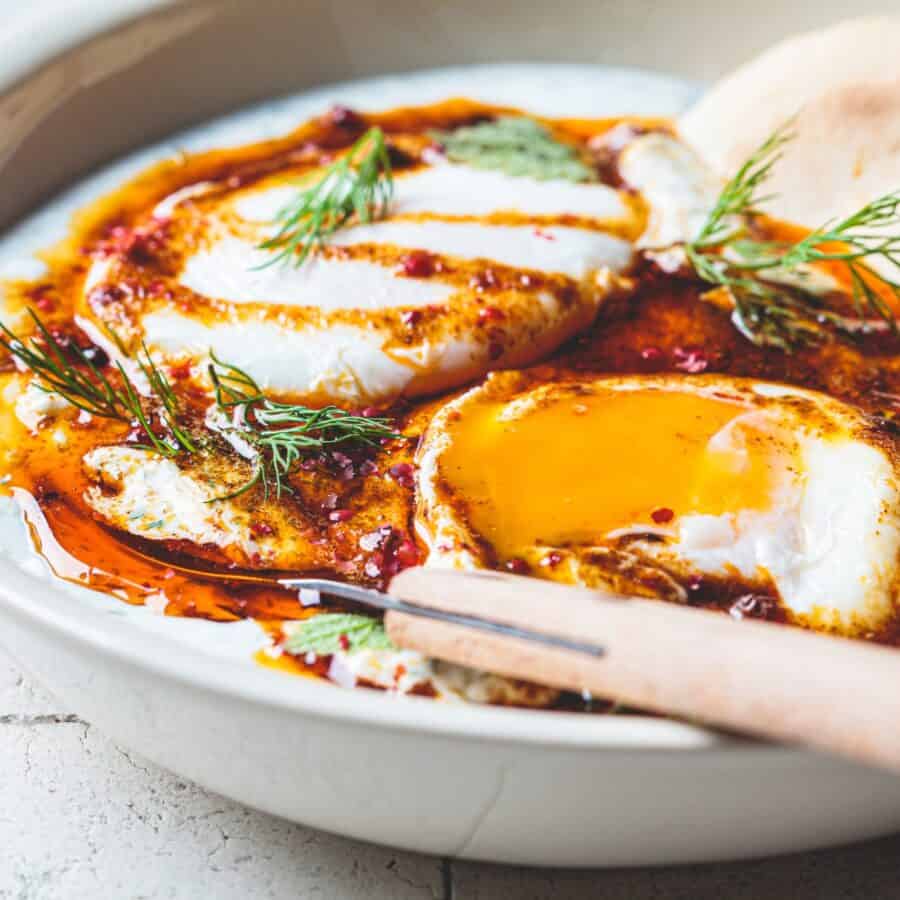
(829, 542)
(330, 330)
(144, 494)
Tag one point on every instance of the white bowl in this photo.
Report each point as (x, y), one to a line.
(506, 785)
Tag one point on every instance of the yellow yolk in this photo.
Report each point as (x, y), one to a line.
(580, 466)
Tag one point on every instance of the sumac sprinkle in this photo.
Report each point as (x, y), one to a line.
(490, 314)
(403, 474)
(552, 559)
(180, 371)
(344, 117)
(517, 566)
(407, 554)
(690, 360)
(390, 552)
(417, 264)
(367, 467)
(485, 280)
(105, 295)
(662, 515)
(96, 355)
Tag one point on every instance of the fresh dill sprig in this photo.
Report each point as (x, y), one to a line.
(741, 197)
(83, 385)
(162, 390)
(748, 271)
(359, 184)
(327, 633)
(515, 145)
(283, 433)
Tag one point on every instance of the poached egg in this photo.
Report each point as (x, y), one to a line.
(647, 485)
(472, 270)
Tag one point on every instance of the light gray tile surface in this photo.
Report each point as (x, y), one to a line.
(81, 818)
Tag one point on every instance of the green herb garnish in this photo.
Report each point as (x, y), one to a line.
(359, 185)
(326, 633)
(281, 433)
(514, 145)
(82, 384)
(744, 269)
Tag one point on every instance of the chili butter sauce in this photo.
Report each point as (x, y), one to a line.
(663, 325)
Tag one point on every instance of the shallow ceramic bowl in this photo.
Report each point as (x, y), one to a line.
(495, 784)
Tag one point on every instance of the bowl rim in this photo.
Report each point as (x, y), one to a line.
(36, 34)
(113, 639)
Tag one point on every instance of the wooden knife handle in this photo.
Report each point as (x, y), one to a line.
(757, 677)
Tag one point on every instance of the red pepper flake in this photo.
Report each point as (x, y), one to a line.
(411, 317)
(517, 566)
(96, 355)
(544, 235)
(490, 314)
(340, 515)
(390, 550)
(344, 117)
(344, 641)
(168, 573)
(370, 412)
(552, 559)
(495, 350)
(105, 295)
(45, 303)
(261, 529)
(651, 354)
(403, 474)
(485, 280)
(662, 515)
(417, 264)
(695, 582)
(407, 554)
(367, 467)
(180, 371)
(139, 243)
(376, 540)
(690, 360)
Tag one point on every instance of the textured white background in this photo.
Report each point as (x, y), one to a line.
(82, 819)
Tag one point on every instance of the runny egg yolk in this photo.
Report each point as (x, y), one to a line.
(577, 467)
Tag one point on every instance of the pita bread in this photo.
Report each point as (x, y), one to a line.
(843, 84)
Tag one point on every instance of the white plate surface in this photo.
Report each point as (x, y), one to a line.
(506, 785)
